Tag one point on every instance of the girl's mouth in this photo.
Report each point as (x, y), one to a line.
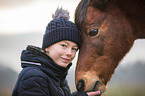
(66, 60)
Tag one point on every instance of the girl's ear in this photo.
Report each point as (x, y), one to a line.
(46, 50)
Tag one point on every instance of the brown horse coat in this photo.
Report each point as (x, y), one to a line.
(108, 29)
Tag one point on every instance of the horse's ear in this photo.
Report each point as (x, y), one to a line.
(101, 4)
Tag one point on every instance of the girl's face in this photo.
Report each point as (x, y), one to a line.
(63, 52)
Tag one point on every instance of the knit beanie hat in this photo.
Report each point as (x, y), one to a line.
(60, 28)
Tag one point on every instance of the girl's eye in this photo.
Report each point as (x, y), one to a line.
(74, 49)
(63, 45)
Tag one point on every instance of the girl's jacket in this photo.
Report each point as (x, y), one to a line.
(40, 76)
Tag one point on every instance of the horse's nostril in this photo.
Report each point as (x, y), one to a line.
(81, 85)
(96, 85)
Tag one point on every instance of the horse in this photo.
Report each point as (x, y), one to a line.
(108, 30)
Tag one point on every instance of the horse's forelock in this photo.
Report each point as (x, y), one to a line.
(81, 10)
(100, 4)
(80, 13)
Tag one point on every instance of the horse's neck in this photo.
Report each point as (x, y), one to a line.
(135, 12)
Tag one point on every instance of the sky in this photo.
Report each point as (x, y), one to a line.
(21, 16)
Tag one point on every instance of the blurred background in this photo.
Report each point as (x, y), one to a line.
(23, 22)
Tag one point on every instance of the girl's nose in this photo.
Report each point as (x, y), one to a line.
(69, 52)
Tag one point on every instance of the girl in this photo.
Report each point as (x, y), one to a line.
(44, 70)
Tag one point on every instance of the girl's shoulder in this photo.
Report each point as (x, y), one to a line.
(30, 72)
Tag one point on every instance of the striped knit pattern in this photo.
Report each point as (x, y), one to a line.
(58, 30)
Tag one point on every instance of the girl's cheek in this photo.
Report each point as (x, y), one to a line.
(74, 54)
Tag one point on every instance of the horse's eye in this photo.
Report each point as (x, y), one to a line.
(93, 32)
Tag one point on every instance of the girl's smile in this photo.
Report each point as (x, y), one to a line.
(66, 60)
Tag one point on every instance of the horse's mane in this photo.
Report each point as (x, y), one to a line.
(81, 10)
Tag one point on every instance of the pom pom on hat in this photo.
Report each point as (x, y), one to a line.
(61, 13)
(60, 28)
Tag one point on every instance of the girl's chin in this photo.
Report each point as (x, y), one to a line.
(63, 64)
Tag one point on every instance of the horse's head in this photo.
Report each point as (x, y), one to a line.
(107, 35)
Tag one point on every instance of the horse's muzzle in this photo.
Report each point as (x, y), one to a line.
(81, 85)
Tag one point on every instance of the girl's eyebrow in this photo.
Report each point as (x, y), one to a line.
(75, 46)
(66, 42)
(63, 43)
